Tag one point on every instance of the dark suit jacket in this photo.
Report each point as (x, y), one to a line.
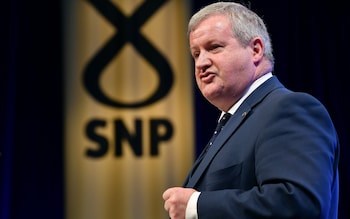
(277, 157)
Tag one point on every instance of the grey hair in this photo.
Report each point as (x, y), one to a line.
(246, 24)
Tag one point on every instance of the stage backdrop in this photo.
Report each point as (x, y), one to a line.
(128, 93)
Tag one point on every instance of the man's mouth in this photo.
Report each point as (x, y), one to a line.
(207, 77)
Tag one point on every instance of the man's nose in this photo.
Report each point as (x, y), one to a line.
(203, 62)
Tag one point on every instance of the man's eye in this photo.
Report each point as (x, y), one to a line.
(214, 47)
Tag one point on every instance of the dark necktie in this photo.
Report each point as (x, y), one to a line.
(218, 128)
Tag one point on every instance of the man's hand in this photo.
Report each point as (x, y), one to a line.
(175, 201)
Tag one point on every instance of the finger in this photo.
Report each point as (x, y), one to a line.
(165, 196)
(167, 193)
(167, 204)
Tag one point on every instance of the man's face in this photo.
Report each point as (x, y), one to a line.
(223, 67)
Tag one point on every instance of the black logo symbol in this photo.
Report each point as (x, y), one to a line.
(128, 31)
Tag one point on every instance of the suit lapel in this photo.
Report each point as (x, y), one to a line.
(228, 130)
(234, 122)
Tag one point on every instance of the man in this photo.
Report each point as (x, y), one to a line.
(277, 155)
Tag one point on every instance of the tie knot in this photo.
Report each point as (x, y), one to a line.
(224, 119)
(222, 122)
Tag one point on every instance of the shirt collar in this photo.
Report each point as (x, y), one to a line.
(250, 90)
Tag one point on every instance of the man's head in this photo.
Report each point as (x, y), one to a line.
(228, 44)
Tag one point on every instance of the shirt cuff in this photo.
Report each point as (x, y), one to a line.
(191, 209)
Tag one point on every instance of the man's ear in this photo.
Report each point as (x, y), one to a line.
(258, 47)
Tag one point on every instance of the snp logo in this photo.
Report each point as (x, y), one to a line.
(128, 32)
